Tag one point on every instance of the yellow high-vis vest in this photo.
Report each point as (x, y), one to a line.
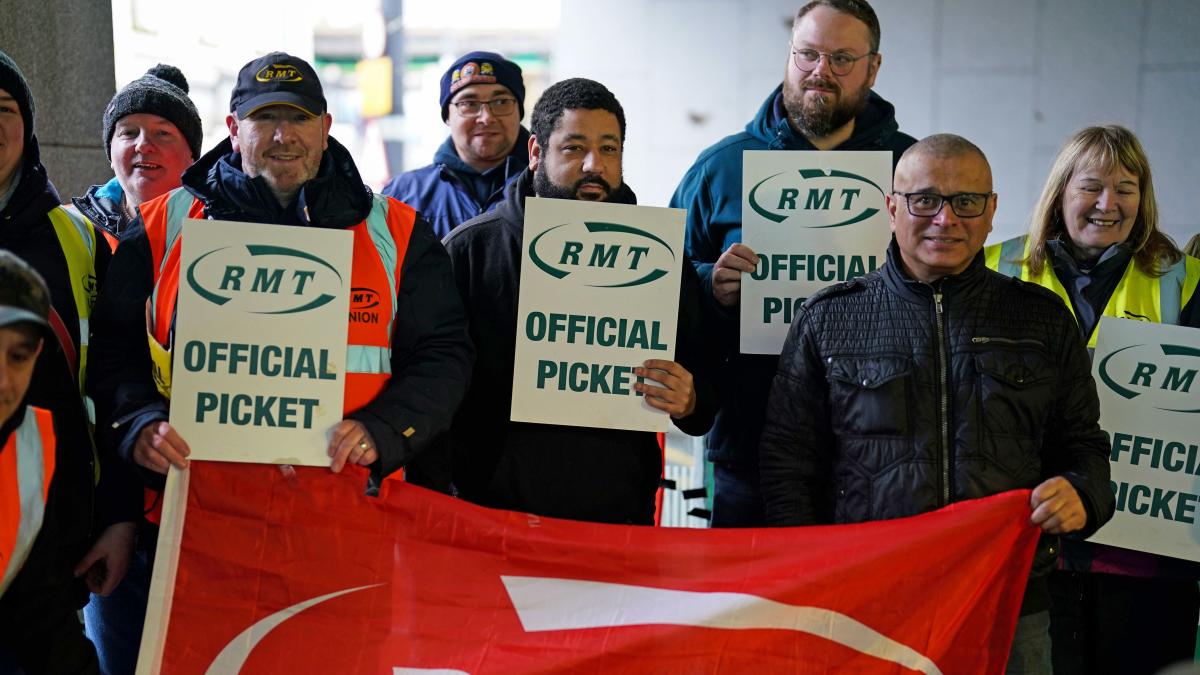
(77, 237)
(1137, 296)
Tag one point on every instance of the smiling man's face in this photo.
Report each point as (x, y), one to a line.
(932, 247)
(283, 144)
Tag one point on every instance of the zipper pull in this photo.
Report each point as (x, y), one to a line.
(981, 340)
(937, 301)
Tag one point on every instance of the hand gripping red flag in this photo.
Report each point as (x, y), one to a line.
(303, 574)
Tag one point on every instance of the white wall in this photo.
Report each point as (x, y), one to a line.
(1017, 77)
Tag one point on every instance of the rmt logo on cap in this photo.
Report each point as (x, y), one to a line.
(278, 72)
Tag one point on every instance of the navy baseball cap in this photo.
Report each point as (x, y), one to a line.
(277, 78)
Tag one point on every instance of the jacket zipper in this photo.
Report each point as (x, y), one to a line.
(1007, 341)
(944, 378)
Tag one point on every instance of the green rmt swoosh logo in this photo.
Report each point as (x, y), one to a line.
(594, 253)
(262, 279)
(795, 198)
(1148, 375)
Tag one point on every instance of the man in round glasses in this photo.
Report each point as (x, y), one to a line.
(825, 102)
(934, 380)
(483, 101)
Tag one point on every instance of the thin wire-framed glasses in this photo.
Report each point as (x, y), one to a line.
(841, 63)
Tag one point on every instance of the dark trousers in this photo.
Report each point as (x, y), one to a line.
(737, 497)
(1112, 623)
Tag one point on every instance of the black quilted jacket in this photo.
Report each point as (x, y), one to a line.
(895, 397)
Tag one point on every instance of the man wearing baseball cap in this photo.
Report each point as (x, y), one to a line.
(45, 490)
(279, 165)
(151, 132)
(483, 101)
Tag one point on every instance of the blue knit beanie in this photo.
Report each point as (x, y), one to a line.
(482, 68)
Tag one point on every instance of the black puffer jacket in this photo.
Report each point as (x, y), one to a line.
(866, 423)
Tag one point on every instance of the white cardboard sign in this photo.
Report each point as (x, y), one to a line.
(1148, 379)
(259, 358)
(814, 218)
(599, 295)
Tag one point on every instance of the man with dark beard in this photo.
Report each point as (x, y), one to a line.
(824, 103)
(600, 475)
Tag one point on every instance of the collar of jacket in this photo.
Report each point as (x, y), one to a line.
(872, 128)
(448, 159)
(32, 200)
(101, 204)
(522, 187)
(336, 198)
(1114, 260)
(956, 289)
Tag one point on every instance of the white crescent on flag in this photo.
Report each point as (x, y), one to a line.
(545, 604)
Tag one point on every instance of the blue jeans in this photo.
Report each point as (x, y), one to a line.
(737, 497)
(114, 623)
(1030, 653)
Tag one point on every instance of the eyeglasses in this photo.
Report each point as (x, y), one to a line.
(964, 204)
(841, 63)
(498, 107)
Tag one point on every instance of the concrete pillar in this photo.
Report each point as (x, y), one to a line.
(65, 49)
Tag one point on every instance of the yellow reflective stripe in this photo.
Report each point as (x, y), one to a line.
(77, 238)
(31, 477)
(368, 360)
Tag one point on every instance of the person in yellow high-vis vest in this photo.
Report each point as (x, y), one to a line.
(65, 249)
(45, 491)
(1094, 240)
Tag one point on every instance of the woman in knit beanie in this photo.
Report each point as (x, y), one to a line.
(151, 133)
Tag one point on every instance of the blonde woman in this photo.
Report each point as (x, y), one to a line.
(1094, 240)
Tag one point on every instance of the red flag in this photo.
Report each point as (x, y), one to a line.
(303, 574)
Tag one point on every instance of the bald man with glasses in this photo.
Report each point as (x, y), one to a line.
(933, 380)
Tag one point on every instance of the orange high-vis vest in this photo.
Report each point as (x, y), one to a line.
(26, 469)
(380, 243)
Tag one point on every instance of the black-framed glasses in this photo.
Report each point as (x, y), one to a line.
(841, 63)
(964, 204)
(498, 106)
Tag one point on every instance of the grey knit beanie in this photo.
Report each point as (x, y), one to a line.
(162, 91)
(12, 81)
